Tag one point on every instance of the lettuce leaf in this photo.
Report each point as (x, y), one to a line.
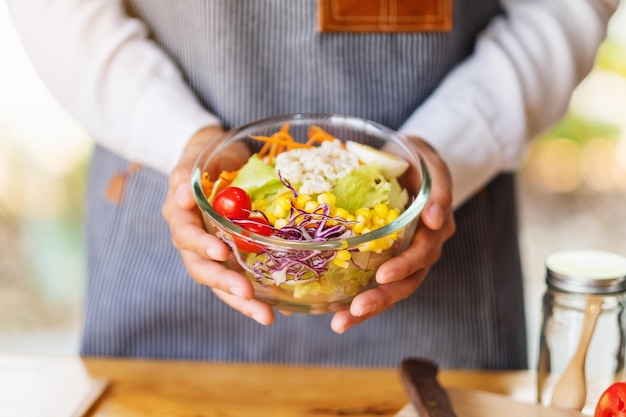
(364, 187)
(259, 180)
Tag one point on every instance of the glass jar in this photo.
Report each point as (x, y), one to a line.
(582, 341)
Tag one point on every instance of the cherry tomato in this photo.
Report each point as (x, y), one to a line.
(256, 225)
(232, 203)
(612, 402)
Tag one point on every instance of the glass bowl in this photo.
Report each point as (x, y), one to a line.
(311, 276)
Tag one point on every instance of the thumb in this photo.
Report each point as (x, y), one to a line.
(180, 176)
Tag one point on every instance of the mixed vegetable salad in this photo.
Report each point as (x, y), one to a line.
(315, 191)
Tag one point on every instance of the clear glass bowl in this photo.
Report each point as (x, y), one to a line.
(331, 287)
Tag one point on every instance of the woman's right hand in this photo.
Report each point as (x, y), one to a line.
(201, 252)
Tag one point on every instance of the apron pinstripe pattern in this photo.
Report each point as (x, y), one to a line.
(141, 302)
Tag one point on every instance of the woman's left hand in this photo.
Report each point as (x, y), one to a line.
(401, 276)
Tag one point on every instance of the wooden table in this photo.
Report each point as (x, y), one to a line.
(142, 388)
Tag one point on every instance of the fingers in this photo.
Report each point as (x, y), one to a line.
(179, 179)
(188, 232)
(199, 252)
(252, 308)
(198, 249)
(424, 251)
(436, 227)
(229, 286)
(439, 204)
(401, 276)
(232, 157)
(179, 208)
(217, 276)
(375, 301)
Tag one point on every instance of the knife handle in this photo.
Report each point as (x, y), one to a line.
(419, 378)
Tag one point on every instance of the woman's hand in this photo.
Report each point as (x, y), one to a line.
(401, 276)
(200, 251)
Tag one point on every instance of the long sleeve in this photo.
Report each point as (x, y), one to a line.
(101, 65)
(517, 83)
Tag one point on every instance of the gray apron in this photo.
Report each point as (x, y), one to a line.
(250, 59)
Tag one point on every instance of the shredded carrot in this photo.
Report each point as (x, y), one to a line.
(228, 176)
(282, 141)
(319, 135)
(276, 139)
(278, 142)
(266, 147)
(207, 184)
(223, 181)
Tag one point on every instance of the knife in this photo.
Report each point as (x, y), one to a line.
(419, 378)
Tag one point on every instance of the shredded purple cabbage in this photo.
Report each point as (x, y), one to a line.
(287, 183)
(289, 266)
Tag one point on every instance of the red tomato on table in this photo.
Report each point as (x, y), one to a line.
(232, 203)
(612, 402)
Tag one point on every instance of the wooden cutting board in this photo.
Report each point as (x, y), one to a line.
(470, 403)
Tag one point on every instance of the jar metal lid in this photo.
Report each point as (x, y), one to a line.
(586, 272)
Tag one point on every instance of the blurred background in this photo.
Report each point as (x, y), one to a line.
(572, 195)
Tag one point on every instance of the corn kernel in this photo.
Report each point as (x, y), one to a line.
(358, 227)
(368, 246)
(377, 245)
(392, 215)
(381, 210)
(384, 243)
(310, 206)
(343, 255)
(302, 200)
(328, 198)
(340, 263)
(362, 213)
(377, 221)
(283, 202)
(279, 211)
(280, 223)
(271, 218)
(341, 212)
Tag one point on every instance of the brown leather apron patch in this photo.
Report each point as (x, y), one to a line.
(384, 16)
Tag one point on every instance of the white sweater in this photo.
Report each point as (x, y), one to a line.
(129, 94)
